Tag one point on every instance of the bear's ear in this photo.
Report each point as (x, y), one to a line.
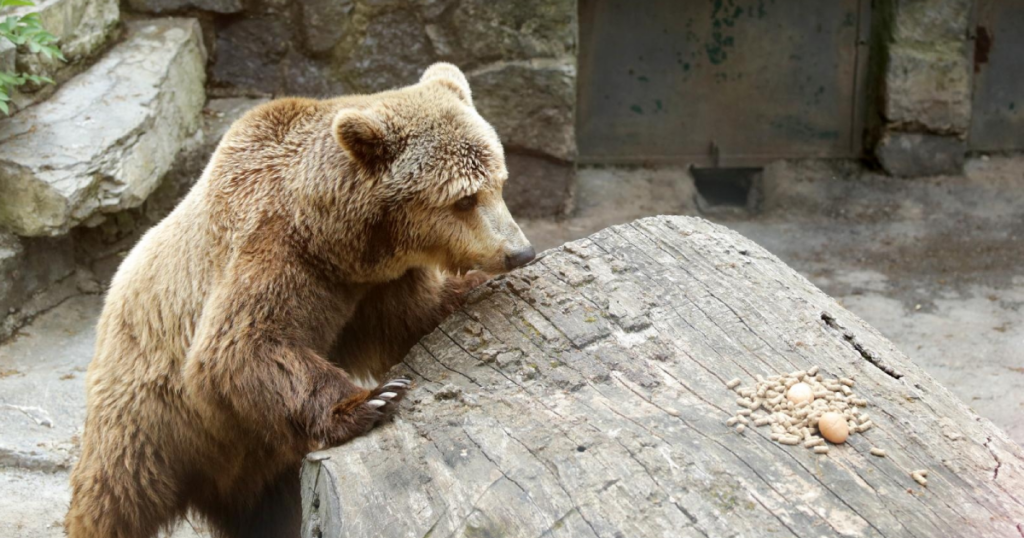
(450, 77)
(363, 136)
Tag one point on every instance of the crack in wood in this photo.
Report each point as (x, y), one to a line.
(868, 355)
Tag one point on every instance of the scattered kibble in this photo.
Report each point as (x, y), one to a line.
(920, 476)
(801, 408)
(877, 452)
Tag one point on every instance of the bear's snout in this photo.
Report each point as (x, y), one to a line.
(520, 258)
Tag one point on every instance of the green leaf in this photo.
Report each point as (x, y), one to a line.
(4, 96)
(4, 109)
(9, 79)
(16, 3)
(39, 79)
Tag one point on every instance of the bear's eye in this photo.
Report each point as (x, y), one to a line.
(466, 203)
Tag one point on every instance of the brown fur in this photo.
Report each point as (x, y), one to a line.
(315, 247)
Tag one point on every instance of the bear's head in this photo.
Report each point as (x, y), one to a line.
(435, 169)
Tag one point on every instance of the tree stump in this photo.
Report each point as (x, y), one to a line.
(584, 395)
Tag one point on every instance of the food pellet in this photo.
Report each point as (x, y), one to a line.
(919, 478)
(802, 407)
(789, 439)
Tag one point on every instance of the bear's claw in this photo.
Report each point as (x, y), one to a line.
(399, 382)
(388, 393)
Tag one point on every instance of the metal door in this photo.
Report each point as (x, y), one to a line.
(997, 115)
(721, 82)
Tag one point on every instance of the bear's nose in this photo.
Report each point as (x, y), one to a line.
(520, 258)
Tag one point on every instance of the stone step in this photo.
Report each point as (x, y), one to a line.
(104, 140)
(82, 28)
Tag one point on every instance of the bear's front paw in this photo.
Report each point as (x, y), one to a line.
(353, 418)
(465, 283)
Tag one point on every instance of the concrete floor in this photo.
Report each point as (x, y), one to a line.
(937, 265)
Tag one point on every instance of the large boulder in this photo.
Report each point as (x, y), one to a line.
(104, 140)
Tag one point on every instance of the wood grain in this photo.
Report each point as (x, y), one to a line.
(584, 395)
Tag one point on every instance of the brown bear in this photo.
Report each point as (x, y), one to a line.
(324, 238)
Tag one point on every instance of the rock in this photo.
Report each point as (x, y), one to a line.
(538, 187)
(923, 21)
(322, 23)
(313, 77)
(11, 254)
(164, 6)
(929, 86)
(104, 140)
(220, 114)
(82, 27)
(919, 155)
(387, 50)
(531, 104)
(486, 31)
(249, 53)
(29, 267)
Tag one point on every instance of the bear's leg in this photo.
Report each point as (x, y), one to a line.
(277, 509)
(393, 316)
(120, 493)
(276, 513)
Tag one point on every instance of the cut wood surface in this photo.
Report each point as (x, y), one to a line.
(584, 395)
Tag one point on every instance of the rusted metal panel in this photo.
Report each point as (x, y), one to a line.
(721, 82)
(997, 115)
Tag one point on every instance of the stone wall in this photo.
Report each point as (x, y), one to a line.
(926, 83)
(519, 57)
